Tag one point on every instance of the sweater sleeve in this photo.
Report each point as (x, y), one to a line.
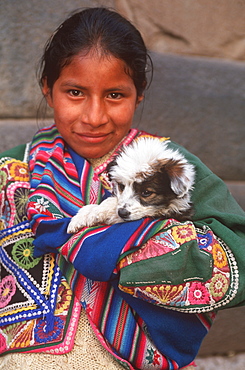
(194, 266)
(215, 208)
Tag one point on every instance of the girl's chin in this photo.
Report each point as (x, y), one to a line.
(92, 151)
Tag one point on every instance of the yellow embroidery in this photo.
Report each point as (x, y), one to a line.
(19, 171)
(219, 256)
(164, 293)
(183, 233)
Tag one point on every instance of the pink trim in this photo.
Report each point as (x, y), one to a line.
(10, 196)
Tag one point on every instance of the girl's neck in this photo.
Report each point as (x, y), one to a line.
(95, 162)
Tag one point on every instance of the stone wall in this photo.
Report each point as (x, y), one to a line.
(25, 25)
(196, 98)
(190, 27)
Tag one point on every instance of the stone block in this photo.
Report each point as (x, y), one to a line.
(200, 27)
(199, 103)
(25, 27)
(227, 334)
(18, 131)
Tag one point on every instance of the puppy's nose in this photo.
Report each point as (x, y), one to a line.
(123, 213)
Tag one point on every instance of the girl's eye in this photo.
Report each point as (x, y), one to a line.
(115, 96)
(75, 93)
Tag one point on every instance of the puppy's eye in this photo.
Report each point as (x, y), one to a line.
(146, 193)
(121, 186)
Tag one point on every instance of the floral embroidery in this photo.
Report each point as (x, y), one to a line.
(20, 200)
(24, 337)
(44, 336)
(20, 316)
(7, 290)
(41, 205)
(195, 295)
(14, 185)
(183, 233)
(20, 303)
(204, 239)
(218, 285)
(152, 248)
(153, 357)
(142, 294)
(64, 298)
(165, 239)
(198, 294)
(19, 171)
(219, 256)
(23, 253)
(164, 293)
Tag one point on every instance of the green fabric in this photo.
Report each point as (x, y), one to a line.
(17, 152)
(215, 207)
(188, 264)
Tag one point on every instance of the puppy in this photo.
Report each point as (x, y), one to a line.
(149, 180)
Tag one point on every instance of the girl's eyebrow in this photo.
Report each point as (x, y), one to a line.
(119, 87)
(110, 89)
(74, 85)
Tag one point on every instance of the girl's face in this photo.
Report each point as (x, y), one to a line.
(94, 101)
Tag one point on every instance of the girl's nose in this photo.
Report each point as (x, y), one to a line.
(94, 112)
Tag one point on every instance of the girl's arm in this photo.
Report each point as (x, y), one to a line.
(202, 271)
(195, 266)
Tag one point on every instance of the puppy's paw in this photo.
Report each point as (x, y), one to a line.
(75, 225)
(86, 217)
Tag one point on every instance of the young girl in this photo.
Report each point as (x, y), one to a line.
(93, 76)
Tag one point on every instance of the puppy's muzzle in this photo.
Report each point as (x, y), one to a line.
(123, 213)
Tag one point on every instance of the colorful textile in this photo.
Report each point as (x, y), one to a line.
(136, 330)
(36, 303)
(91, 259)
(211, 266)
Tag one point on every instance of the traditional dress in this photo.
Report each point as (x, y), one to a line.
(143, 285)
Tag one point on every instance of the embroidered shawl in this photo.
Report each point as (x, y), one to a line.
(38, 311)
(122, 285)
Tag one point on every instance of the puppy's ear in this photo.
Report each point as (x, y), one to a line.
(181, 175)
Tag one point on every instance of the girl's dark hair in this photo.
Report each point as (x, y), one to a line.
(101, 29)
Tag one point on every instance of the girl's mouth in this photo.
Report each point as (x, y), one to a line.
(93, 139)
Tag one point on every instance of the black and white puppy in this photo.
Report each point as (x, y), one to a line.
(149, 180)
